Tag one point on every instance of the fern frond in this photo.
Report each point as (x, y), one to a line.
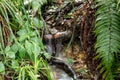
(107, 31)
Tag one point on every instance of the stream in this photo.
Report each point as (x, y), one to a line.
(61, 28)
(60, 69)
(59, 74)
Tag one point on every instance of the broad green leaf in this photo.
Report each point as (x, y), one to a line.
(35, 5)
(35, 40)
(11, 54)
(22, 32)
(23, 37)
(41, 44)
(36, 49)
(7, 49)
(14, 47)
(22, 51)
(36, 22)
(2, 68)
(29, 47)
(32, 33)
(15, 64)
(41, 24)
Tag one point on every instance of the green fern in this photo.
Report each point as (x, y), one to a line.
(107, 31)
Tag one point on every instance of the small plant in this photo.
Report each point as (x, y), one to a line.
(70, 61)
(82, 70)
(22, 47)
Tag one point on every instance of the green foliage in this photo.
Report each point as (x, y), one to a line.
(107, 31)
(70, 61)
(118, 5)
(37, 4)
(2, 68)
(23, 54)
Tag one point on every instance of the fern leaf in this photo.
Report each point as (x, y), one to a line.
(107, 31)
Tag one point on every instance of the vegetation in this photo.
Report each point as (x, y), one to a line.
(21, 46)
(107, 31)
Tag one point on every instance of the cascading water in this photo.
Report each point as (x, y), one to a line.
(61, 69)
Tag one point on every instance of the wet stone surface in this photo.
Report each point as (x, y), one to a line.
(60, 74)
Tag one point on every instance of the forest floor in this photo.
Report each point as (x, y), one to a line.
(71, 26)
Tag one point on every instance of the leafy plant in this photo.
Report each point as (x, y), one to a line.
(23, 45)
(107, 31)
